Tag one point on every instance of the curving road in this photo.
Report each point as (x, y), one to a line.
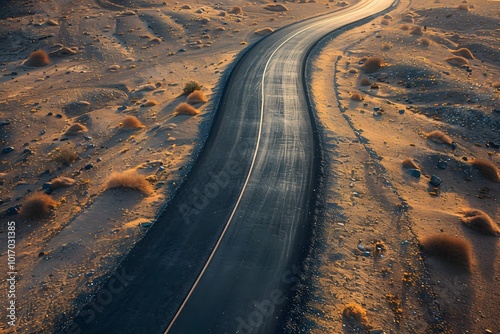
(224, 256)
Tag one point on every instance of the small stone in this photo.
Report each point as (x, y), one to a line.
(376, 108)
(182, 50)
(435, 181)
(376, 331)
(41, 254)
(401, 111)
(442, 164)
(3, 123)
(47, 185)
(453, 145)
(13, 210)
(99, 159)
(89, 166)
(414, 172)
(6, 150)
(488, 331)
(146, 225)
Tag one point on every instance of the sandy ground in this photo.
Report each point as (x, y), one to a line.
(108, 60)
(371, 200)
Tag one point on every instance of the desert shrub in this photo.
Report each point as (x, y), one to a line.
(372, 64)
(410, 164)
(405, 27)
(417, 31)
(131, 123)
(355, 314)
(61, 182)
(487, 169)
(64, 155)
(276, 8)
(150, 103)
(129, 179)
(454, 250)
(463, 52)
(75, 129)
(356, 97)
(457, 61)
(196, 97)
(185, 109)
(425, 41)
(439, 137)
(365, 82)
(38, 58)
(190, 87)
(480, 221)
(37, 206)
(235, 10)
(264, 31)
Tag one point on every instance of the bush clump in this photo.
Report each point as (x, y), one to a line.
(190, 87)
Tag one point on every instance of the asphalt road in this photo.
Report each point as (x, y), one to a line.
(241, 217)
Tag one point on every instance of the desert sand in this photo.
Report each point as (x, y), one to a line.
(97, 122)
(395, 128)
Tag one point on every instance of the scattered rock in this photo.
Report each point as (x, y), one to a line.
(442, 164)
(414, 172)
(435, 181)
(7, 150)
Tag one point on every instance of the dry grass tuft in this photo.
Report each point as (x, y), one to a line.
(454, 250)
(425, 41)
(417, 31)
(463, 52)
(75, 129)
(131, 123)
(463, 6)
(355, 314)
(276, 8)
(235, 10)
(264, 31)
(38, 58)
(64, 155)
(365, 82)
(190, 87)
(480, 221)
(150, 103)
(372, 64)
(185, 109)
(386, 46)
(61, 182)
(439, 137)
(405, 27)
(129, 179)
(487, 169)
(410, 164)
(356, 97)
(196, 97)
(457, 61)
(37, 206)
